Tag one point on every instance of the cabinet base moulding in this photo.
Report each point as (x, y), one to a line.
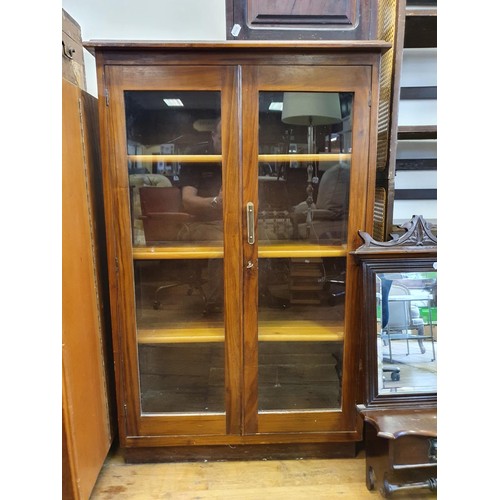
(240, 452)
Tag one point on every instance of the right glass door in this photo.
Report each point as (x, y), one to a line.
(298, 233)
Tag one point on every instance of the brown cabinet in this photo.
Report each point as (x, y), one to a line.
(87, 396)
(401, 450)
(235, 319)
(88, 427)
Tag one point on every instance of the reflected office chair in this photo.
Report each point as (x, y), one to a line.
(329, 213)
(163, 219)
(404, 322)
(328, 222)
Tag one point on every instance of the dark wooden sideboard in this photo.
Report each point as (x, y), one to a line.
(401, 450)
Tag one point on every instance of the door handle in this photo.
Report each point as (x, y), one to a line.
(250, 223)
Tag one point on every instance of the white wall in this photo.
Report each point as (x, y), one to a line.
(419, 69)
(145, 20)
(206, 20)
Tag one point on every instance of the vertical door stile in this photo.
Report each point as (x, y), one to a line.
(231, 164)
(123, 251)
(250, 119)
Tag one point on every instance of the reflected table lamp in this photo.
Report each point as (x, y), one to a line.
(311, 109)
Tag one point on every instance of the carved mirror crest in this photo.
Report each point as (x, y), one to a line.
(399, 320)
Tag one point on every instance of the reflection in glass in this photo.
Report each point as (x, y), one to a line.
(304, 166)
(173, 142)
(174, 171)
(180, 342)
(301, 304)
(303, 186)
(407, 332)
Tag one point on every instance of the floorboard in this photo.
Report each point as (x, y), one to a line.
(253, 480)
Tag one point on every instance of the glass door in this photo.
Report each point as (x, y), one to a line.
(175, 172)
(300, 220)
(235, 209)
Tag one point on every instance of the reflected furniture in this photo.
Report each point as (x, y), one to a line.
(405, 318)
(274, 372)
(137, 181)
(164, 219)
(162, 214)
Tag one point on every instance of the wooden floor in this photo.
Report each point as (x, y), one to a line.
(252, 480)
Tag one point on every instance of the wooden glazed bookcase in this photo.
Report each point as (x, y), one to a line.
(246, 339)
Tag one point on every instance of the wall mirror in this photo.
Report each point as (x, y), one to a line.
(400, 316)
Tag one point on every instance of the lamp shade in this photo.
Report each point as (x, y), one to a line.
(311, 108)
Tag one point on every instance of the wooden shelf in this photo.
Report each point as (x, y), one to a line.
(420, 27)
(416, 164)
(415, 194)
(417, 132)
(424, 11)
(181, 334)
(300, 249)
(218, 158)
(269, 331)
(418, 92)
(178, 250)
(176, 158)
(305, 157)
(286, 249)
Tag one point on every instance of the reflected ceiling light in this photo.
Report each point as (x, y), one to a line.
(173, 103)
(276, 106)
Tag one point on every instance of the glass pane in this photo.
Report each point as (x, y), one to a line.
(173, 142)
(301, 331)
(181, 344)
(407, 332)
(175, 186)
(304, 176)
(304, 166)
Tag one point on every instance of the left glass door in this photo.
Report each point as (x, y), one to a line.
(175, 185)
(170, 163)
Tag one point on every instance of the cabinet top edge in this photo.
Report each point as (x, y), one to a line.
(94, 46)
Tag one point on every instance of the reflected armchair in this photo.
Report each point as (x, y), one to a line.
(136, 181)
(162, 214)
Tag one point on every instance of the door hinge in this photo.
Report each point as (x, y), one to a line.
(370, 99)
(106, 97)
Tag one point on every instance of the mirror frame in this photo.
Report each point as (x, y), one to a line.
(413, 251)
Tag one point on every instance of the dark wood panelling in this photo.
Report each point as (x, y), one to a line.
(421, 3)
(418, 93)
(417, 132)
(420, 30)
(305, 20)
(415, 194)
(417, 164)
